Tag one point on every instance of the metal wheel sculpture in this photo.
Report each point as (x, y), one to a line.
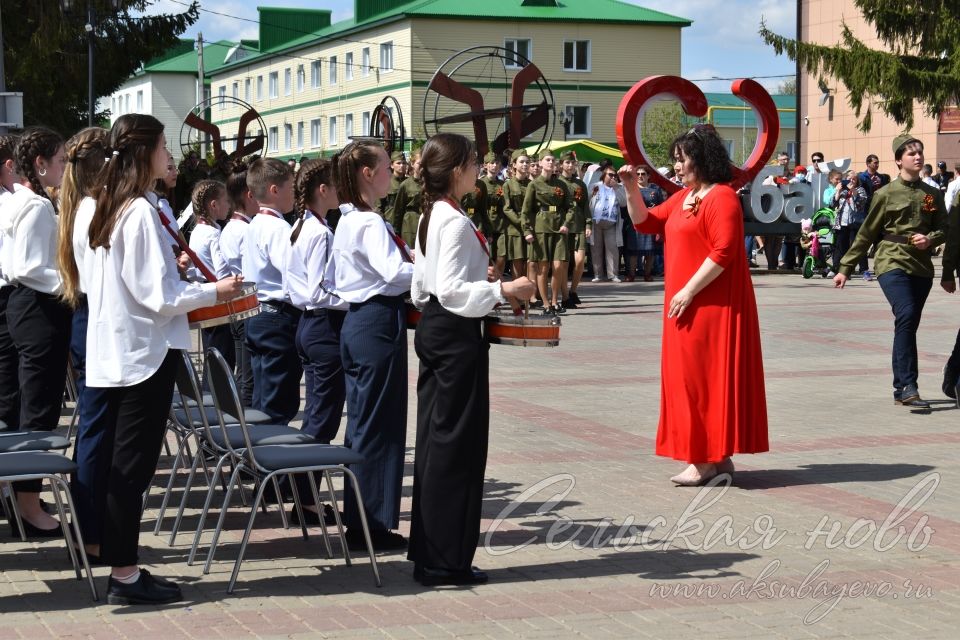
(501, 95)
(197, 130)
(386, 126)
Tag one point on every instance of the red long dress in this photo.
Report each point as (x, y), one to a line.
(712, 399)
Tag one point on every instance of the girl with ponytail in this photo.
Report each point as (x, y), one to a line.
(9, 358)
(38, 321)
(138, 305)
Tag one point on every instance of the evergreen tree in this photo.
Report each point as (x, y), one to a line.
(46, 54)
(920, 63)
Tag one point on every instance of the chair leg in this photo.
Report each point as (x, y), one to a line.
(206, 507)
(246, 537)
(65, 526)
(336, 516)
(181, 449)
(298, 505)
(283, 510)
(323, 525)
(363, 522)
(221, 519)
(16, 516)
(186, 491)
(78, 536)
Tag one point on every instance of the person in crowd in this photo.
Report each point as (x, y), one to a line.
(652, 196)
(475, 203)
(712, 400)
(849, 204)
(871, 179)
(138, 305)
(406, 204)
(373, 273)
(38, 320)
(581, 229)
(454, 287)
(953, 187)
(606, 199)
(9, 358)
(514, 191)
(906, 220)
(495, 217)
(398, 164)
(942, 177)
(926, 174)
(773, 245)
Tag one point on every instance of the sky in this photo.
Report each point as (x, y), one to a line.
(722, 43)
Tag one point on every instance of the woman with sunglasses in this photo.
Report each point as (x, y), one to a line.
(606, 199)
(712, 399)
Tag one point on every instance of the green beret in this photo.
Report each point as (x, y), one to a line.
(534, 157)
(517, 153)
(903, 140)
(397, 156)
(491, 157)
(569, 155)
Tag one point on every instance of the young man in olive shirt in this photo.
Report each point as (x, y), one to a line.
(906, 220)
(581, 228)
(405, 213)
(548, 213)
(398, 163)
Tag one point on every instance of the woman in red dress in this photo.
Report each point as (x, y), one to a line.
(712, 400)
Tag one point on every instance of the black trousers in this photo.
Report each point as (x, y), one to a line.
(318, 344)
(221, 339)
(273, 357)
(9, 369)
(453, 424)
(242, 359)
(134, 425)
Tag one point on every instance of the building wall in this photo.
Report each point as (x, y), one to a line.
(420, 46)
(832, 128)
(166, 96)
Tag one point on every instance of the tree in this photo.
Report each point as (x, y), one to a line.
(920, 63)
(662, 123)
(787, 87)
(46, 54)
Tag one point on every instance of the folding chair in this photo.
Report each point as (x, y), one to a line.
(20, 441)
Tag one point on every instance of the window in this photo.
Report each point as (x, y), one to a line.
(274, 84)
(333, 70)
(348, 127)
(792, 150)
(332, 134)
(140, 99)
(288, 136)
(300, 78)
(236, 90)
(365, 62)
(315, 74)
(315, 132)
(386, 57)
(126, 100)
(300, 135)
(113, 106)
(348, 67)
(522, 47)
(578, 121)
(273, 143)
(246, 90)
(259, 87)
(287, 82)
(576, 55)
(364, 123)
(222, 93)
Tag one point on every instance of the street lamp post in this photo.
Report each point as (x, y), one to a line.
(72, 8)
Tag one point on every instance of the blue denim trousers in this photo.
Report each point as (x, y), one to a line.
(906, 294)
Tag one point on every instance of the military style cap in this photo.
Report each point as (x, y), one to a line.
(396, 156)
(534, 157)
(903, 140)
(569, 155)
(491, 157)
(517, 153)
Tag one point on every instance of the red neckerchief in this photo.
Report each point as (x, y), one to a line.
(182, 243)
(271, 212)
(480, 236)
(239, 216)
(397, 240)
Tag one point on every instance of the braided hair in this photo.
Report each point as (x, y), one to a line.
(204, 192)
(442, 154)
(352, 159)
(237, 184)
(85, 159)
(312, 174)
(36, 142)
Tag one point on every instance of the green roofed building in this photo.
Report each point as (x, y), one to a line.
(316, 83)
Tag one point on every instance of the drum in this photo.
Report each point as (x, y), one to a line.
(518, 331)
(413, 315)
(242, 306)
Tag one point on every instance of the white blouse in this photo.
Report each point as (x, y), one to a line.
(82, 253)
(29, 223)
(367, 259)
(454, 268)
(205, 242)
(138, 303)
(231, 241)
(309, 276)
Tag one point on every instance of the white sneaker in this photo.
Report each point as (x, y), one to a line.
(614, 279)
(595, 280)
(830, 274)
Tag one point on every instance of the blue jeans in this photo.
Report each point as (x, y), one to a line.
(906, 294)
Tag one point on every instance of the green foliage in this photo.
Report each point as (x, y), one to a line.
(662, 123)
(46, 54)
(920, 63)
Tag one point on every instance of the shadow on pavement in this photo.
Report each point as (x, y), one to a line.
(826, 474)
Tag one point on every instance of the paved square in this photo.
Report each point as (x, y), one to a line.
(849, 527)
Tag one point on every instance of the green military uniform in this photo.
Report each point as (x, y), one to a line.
(514, 191)
(495, 217)
(405, 212)
(475, 206)
(582, 220)
(547, 206)
(897, 211)
(386, 205)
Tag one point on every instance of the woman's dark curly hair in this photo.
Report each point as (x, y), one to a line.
(703, 146)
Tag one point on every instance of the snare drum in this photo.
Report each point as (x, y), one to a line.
(517, 331)
(242, 306)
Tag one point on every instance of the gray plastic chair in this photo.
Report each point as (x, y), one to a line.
(20, 441)
(265, 462)
(46, 465)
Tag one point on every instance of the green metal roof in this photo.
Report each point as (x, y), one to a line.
(214, 55)
(375, 12)
(724, 118)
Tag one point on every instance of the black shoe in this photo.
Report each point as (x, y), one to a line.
(313, 518)
(146, 590)
(436, 577)
(381, 540)
(560, 309)
(34, 532)
(569, 304)
(549, 311)
(536, 304)
(574, 298)
(910, 397)
(950, 380)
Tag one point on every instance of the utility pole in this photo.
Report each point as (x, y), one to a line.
(3, 79)
(92, 107)
(201, 94)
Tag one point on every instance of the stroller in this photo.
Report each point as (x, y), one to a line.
(818, 238)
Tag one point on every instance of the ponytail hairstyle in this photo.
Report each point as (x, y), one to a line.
(128, 172)
(442, 154)
(85, 159)
(8, 144)
(237, 184)
(204, 193)
(36, 142)
(312, 174)
(352, 159)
